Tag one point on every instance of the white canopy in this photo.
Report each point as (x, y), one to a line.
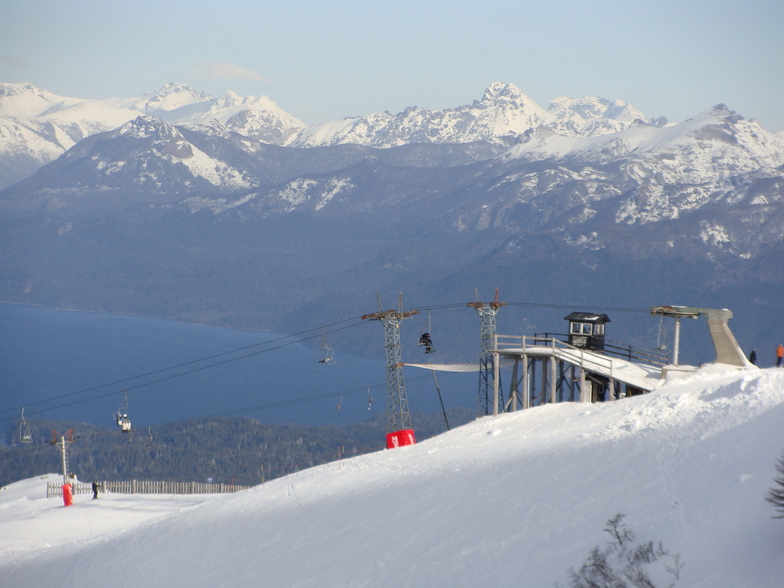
(447, 367)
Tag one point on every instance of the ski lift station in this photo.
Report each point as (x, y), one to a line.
(582, 365)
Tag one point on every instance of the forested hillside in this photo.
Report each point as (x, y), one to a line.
(239, 450)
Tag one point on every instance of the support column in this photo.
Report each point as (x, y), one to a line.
(496, 376)
(553, 380)
(677, 340)
(584, 395)
(571, 383)
(514, 387)
(526, 384)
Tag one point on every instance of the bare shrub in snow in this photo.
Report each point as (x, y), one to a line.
(776, 494)
(624, 563)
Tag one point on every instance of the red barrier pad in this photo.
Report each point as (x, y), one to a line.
(67, 495)
(400, 438)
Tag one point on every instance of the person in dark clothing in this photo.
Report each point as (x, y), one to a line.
(95, 489)
(753, 357)
(779, 354)
(427, 342)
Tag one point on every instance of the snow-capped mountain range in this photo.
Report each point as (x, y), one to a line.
(503, 111)
(37, 126)
(503, 181)
(538, 179)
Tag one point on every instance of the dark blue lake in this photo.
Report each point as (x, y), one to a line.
(71, 365)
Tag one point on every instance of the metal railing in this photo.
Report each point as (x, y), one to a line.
(589, 360)
(145, 487)
(623, 350)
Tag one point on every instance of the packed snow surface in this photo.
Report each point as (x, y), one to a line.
(514, 500)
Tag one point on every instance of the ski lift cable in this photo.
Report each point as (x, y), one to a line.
(279, 404)
(581, 306)
(194, 361)
(538, 305)
(114, 392)
(290, 402)
(174, 376)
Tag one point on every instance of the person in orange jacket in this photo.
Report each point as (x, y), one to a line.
(779, 354)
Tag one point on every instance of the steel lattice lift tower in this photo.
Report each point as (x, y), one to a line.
(399, 430)
(487, 312)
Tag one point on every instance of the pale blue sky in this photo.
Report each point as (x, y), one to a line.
(322, 61)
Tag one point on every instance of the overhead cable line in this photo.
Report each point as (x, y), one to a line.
(279, 404)
(178, 375)
(322, 329)
(582, 306)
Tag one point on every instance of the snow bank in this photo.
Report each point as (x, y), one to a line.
(513, 500)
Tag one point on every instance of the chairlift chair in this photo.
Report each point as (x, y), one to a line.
(661, 336)
(327, 352)
(25, 431)
(121, 416)
(424, 338)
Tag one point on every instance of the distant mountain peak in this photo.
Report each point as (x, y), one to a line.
(143, 126)
(174, 95)
(503, 90)
(15, 89)
(27, 100)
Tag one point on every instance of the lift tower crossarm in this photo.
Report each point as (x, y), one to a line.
(713, 314)
(393, 314)
(727, 349)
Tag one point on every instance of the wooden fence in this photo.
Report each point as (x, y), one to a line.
(145, 487)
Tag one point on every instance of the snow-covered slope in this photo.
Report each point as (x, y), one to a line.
(514, 500)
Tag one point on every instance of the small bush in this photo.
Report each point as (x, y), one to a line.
(624, 563)
(776, 494)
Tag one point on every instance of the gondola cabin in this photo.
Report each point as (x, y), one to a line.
(586, 330)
